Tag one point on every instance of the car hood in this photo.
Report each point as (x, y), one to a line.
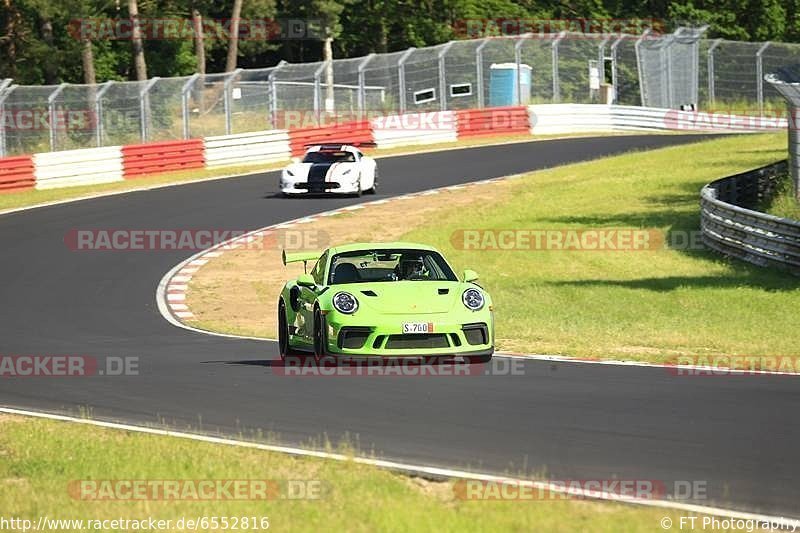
(406, 297)
(301, 170)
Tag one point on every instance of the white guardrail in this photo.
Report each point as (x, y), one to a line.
(256, 147)
(577, 118)
(88, 166)
(414, 129)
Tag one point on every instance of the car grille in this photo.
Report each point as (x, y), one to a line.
(353, 337)
(476, 333)
(321, 185)
(428, 340)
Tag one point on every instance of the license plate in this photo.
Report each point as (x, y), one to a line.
(417, 327)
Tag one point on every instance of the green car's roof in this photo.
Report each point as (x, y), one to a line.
(353, 247)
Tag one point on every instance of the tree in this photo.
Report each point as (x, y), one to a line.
(233, 38)
(136, 41)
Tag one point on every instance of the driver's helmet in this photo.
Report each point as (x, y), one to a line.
(412, 267)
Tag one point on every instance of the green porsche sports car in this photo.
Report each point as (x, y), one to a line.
(384, 300)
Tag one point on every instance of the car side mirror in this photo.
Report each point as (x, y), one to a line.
(295, 160)
(305, 280)
(470, 275)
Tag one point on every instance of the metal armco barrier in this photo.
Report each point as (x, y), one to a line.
(353, 131)
(729, 226)
(78, 167)
(16, 173)
(492, 121)
(140, 159)
(242, 148)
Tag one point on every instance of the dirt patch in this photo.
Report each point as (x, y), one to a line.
(238, 291)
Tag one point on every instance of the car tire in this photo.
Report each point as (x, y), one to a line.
(358, 192)
(374, 188)
(285, 350)
(320, 336)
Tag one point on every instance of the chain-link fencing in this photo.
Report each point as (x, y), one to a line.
(672, 70)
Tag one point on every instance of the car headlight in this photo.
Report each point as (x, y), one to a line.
(473, 299)
(344, 302)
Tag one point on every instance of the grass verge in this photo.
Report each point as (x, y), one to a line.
(650, 305)
(784, 204)
(43, 459)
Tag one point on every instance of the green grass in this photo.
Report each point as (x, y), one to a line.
(41, 458)
(645, 305)
(784, 204)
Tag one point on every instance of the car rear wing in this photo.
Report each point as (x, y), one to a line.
(337, 145)
(296, 257)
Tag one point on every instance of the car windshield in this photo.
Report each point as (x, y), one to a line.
(389, 265)
(329, 157)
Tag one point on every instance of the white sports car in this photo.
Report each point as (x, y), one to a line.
(336, 168)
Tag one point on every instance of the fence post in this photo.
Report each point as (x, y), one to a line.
(401, 78)
(479, 71)
(51, 111)
(362, 83)
(760, 76)
(554, 58)
(273, 93)
(318, 90)
(144, 107)
(636, 47)
(98, 111)
(710, 66)
(601, 65)
(443, 76)
(185, 89)
(5, 91)
(614, 73)
(518, 65)
(226, 100)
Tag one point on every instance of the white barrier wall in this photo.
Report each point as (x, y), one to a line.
(415, 128)
(256, 147)
(78, 167)
(578, 118)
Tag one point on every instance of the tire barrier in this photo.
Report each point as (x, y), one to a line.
(78, 167)
(352, 131)
(242, 148)
(16, 173)
(150, 158)
(414, 129)
(729, 225)
(492, 121)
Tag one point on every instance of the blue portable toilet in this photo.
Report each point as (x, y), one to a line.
(503, 84)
